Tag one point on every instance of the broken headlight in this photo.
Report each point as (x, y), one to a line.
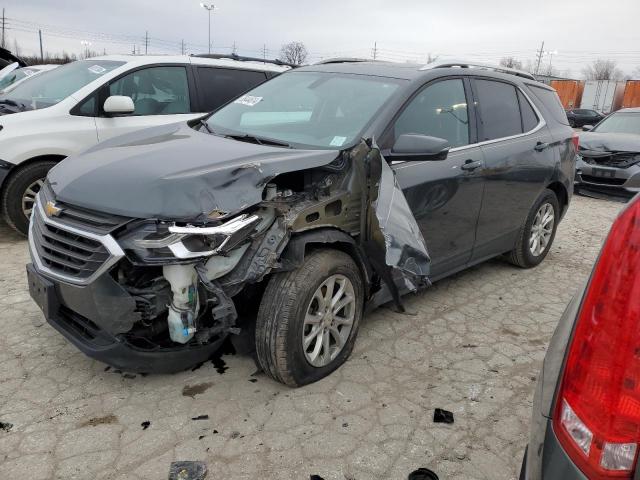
(190, 242)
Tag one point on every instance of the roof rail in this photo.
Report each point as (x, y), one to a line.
(233, 56)
(344, 60)
(482, 66)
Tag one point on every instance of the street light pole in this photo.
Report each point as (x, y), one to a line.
(551, 53)
(210, 7)
(86, 44)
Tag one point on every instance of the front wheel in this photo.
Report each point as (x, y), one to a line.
(20, 194)
(538, 232)
(309, 318)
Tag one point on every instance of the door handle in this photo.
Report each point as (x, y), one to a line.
(540, 146)
(470, 165)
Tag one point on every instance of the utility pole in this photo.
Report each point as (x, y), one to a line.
(41, 52)
(264, 53)
(3, 22)
(146, 42)
(182, 46)
(235, 48)
(540, 53)
(375, 50)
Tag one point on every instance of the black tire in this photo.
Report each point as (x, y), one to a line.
(521, 255)
(280, 322)
(15, 189)
(572, 124)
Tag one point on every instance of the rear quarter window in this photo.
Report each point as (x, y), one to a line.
(551, 102)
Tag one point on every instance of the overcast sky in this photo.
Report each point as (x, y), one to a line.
(486, 30)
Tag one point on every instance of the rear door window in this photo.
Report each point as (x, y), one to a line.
(440, 110)
(499, 109)
(219, 85)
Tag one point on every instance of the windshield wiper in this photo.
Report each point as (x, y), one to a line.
(206, 126)
(245, 137)
(13, 103)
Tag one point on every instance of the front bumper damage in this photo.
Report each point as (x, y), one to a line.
(601, 172)
(61, 304)
(163, 314)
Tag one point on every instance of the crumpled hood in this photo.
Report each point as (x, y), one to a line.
(176, 173)
(610, 142)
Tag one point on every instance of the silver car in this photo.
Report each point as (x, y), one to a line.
(609, 156)
(586, 411)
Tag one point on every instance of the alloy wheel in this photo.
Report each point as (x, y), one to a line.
(541, 229)
(29, 196)
(328, 320)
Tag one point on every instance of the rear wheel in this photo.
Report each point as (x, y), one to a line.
(309, 318)
(20, 193)
(538, 232)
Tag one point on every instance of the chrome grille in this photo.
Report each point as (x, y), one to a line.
(67, 252)
(88, 220)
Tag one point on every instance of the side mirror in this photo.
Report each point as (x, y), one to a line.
(587, 128)
(118, 105)
(414, 147)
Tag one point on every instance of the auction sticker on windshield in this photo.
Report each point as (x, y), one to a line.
(248, 100)
(97, 69)
(338, 141)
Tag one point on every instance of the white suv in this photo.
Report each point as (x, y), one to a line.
(71, 108)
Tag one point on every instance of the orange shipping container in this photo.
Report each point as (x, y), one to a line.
(631, 94)
(569, 91)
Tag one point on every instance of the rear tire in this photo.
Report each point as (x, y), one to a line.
(292, 304)
(536, 237)
(19, 194)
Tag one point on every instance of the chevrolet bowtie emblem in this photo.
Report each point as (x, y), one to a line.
(52, 210)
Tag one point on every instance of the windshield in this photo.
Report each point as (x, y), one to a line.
(620, 123)
(312, 109)
(46, 90)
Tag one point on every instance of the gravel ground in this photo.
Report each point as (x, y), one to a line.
(473, 344)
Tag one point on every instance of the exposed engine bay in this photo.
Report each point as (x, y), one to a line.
(187, 282)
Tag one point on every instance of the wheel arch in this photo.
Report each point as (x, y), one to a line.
(561, 194)
(302, 243)
(16, 168)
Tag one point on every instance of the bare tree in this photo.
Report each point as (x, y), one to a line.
(602, 69)
(432, 58)
(16, 48)
(294, 52)
(635, 75)
(550, 71)
(511, 62)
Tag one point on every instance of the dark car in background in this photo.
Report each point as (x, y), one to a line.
(579, 116)
(608, 160)
(586, 409)
(7, 58)
(293, 209)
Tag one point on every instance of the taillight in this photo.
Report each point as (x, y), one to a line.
(575, 139)
(597, 416)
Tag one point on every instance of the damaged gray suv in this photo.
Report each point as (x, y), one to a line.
(289, 212)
